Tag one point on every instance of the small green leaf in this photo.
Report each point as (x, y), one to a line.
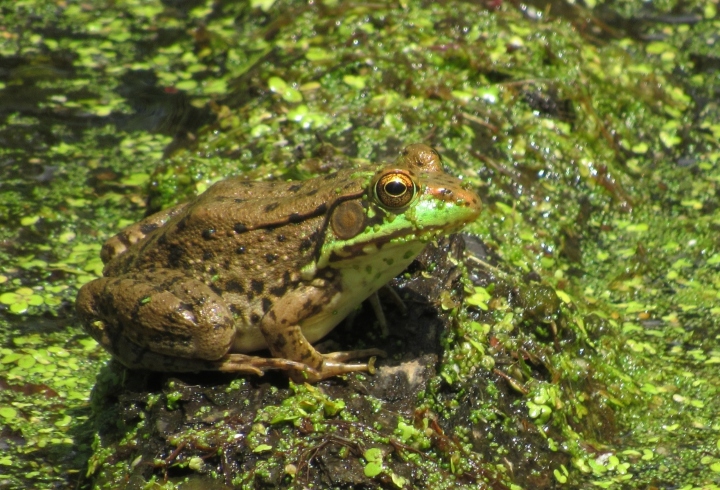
(136, 179)
(398, 480)
(217, 86)
(277, 84)
(372, 469)
(479, 298)
(29, 220)
(186, 85)
(8, 413)
(318, 54)
(373, 454)
(263, 5)
(195, 463)
(26, 362)
(355, 82)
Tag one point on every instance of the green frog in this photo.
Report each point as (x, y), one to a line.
(247, 266)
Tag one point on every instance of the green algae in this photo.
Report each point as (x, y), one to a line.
(597, 162)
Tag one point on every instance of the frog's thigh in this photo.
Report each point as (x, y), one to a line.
(285, 339)
(161, 311)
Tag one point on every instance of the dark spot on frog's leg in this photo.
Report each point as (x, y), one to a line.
(208, 234)
(279, 343)
(254, 318)
(148, 228)
(330, 176)
(326, 273)
(240, 250)
(311, 193)
(234, 286)
(240, 228)
(216, 289)
(175, 255)
(266, 305)
(182, 224)
(257, 286)
(281, 238)
(168, 337)
(134, 314)
(123, 238)
(207, 255)
(271, 258)
(305, 245)
(295, 218)
(272, 207)
(279, 291)
(167, 283)
(239, 200)
(294, 188)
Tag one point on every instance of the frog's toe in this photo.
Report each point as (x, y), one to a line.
(342, 356)
(334, 365)
(241, 363)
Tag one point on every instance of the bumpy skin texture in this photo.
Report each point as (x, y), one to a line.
(253, 265)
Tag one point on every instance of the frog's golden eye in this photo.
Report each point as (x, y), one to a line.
(395, 189)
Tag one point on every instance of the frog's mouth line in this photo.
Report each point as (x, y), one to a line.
(396, 238)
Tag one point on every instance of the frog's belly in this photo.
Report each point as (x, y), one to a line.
(358, 280)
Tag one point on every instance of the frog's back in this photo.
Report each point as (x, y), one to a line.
(249, 205)
(243, 237)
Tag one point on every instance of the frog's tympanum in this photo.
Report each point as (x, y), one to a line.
(252, 265)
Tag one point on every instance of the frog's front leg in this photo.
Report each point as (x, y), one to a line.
(285, 339)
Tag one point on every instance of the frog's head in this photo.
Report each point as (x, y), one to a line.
(403, 206)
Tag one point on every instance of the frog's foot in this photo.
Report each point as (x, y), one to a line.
(241, 363)
(333, 364)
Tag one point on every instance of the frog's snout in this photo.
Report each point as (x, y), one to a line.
(461, 198)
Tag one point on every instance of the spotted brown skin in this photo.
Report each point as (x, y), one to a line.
(252, 265)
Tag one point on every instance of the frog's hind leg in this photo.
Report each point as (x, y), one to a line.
(133, 356)
(156, 313)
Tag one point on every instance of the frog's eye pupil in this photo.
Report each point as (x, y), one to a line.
(395, 189)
